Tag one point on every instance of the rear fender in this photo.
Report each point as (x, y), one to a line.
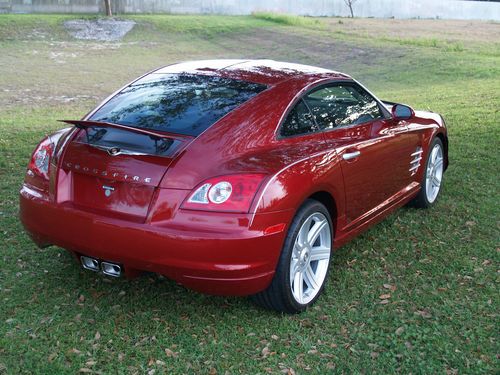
(292, 185)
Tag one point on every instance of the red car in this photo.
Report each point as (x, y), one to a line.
(232, 177)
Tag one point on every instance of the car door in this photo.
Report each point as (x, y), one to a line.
(373, 148)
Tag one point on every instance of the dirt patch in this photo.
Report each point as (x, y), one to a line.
(315, 49)
(108, 30)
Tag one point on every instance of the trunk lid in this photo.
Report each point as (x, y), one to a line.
(114, 170)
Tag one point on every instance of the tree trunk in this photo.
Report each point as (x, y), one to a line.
(350, 8)
(107, 6)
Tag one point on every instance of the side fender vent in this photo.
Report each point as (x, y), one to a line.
(416, 158)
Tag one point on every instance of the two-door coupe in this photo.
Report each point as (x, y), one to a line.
(232, 177)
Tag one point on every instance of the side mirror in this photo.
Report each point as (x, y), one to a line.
(402, 112)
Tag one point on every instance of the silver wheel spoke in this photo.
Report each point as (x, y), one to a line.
(434, 155)
(315, 231)
(304, 231)
(320, 253)
(436, 181)
(310, 278)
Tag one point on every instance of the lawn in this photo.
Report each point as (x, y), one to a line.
(439, 266)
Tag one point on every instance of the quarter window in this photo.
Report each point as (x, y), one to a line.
(299, 121)
(341, 105)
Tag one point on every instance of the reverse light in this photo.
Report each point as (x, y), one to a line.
(231, 193)
(220, 192)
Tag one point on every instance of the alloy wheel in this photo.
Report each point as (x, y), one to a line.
(310, 258)
(434, 173)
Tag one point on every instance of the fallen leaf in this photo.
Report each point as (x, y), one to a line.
(424, 314)
(171, 353)
(97, 335)
(385, 296)
(400, 330)
(384, 302)
(84, 369)
(390, 287)
(265, 352)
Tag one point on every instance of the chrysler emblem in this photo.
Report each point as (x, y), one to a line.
(113, 151)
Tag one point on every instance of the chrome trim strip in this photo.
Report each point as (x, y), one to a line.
(416, 160)
(414, 168)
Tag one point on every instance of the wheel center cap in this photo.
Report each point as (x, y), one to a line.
(304, 256)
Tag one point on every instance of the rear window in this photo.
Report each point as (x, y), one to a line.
(176, 103)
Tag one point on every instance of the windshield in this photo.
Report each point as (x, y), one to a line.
(176, 103)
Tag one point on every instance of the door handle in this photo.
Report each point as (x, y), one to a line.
(351, 155)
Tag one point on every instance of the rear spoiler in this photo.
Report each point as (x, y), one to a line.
(85, 124)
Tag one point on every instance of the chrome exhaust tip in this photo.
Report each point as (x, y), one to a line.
(111, 269)
(90, 263)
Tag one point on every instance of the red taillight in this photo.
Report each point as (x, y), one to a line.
(231, 193)
(40, 160)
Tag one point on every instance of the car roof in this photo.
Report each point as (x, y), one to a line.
(268, 72)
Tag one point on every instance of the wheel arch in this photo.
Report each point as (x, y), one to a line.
(327, 199)
(444, 139)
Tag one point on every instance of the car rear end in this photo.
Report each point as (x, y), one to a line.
(97, 189)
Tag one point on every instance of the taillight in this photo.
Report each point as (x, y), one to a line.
(40, 160)
(231, 193)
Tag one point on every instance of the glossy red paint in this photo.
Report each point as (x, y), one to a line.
(142, 226)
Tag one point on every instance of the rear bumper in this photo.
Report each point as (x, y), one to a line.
(237, 261)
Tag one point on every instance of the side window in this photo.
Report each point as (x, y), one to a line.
(341, 105)
(299, 121)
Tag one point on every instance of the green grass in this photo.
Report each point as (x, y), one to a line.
(432, 42)
(289, 20)
(440, 265)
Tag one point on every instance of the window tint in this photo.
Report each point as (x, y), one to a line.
(341, 105)
(298, 121)
(176, 103)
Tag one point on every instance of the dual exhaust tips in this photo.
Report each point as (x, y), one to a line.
(107, 268)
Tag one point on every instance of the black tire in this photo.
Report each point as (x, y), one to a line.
(278, 296)
(422, 200)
